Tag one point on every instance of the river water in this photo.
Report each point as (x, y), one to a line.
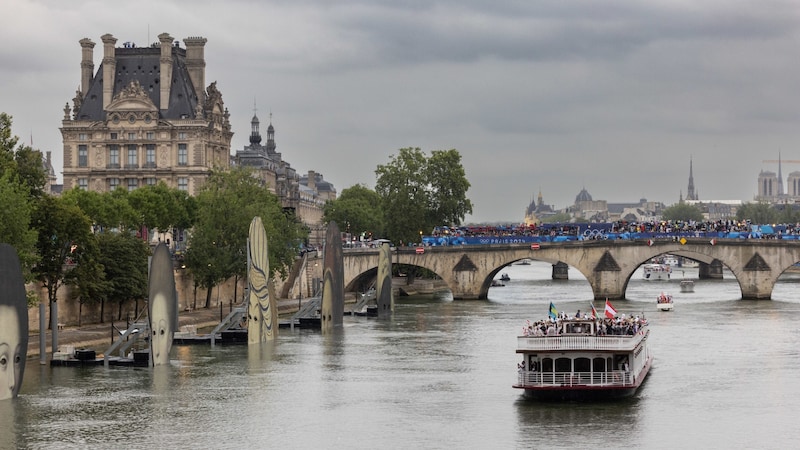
(438, 374)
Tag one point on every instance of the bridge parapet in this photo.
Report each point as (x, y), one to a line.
(607, 264)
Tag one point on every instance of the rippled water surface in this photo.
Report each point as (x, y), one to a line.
(438, 374)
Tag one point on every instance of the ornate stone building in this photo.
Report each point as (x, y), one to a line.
(144, 117)
(269, 165)
(537, 211)
(305, 195)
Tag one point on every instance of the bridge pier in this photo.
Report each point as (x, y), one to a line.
(560, 271)
(712, 271)
(608, 284)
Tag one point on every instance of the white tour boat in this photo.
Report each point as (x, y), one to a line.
(657, 271)
(583, 359)
(664, 302)
(670, 260)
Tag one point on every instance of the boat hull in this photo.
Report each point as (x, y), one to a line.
(665, 306)
(585, 393)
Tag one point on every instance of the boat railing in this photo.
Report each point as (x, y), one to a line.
(560, 379)
(580, 342)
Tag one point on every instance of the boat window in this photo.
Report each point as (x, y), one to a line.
(599, 364)
(563, 365)
(583, 365)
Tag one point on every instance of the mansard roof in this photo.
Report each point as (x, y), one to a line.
(142, 64)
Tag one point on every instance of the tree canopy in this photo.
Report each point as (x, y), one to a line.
(356, 210)
(23, 163)
(760, 212)
(15, 221)
(419, 192)
(227, 203)
(64, 236)
(682, 211)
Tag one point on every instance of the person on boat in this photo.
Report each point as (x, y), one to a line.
(578, 314)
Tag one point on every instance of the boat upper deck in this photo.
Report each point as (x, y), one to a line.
(618, 334)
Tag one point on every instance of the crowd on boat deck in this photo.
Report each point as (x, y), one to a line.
(621, 325)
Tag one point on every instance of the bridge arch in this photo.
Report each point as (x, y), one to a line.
(607, 264)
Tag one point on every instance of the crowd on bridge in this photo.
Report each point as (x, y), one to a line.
(619, 229)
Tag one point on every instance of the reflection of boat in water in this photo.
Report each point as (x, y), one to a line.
(657, 271)
(524, 262)
(576, 361)
(687, 286)
(505, 277)
(497, 283)
(664, 302)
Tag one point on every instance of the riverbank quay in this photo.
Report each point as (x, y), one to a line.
(98, 336)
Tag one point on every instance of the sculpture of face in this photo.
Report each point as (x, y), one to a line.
(161, 325)
(12, 362)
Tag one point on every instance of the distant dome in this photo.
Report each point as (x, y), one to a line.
(583, 196)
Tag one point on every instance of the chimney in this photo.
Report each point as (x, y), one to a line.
(87, 64)
(166, 69)
(109, 68)
(196, 64)
(312, 180)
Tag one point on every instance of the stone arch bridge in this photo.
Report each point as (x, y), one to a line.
(608, 265)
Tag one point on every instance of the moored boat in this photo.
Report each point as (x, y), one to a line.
(655, 272)
(664, 302)
(583, 359)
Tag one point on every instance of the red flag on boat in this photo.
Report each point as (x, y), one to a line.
(610, 311)
(594, 312)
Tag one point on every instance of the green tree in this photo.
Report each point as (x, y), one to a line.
(227, 204)
(162, 207)
(63, 235)
(788, 214)
(560, 217)
(89, 280)
(106, 210)
(419, 193)
(758, 213)
(15, 221)
(7, 144)
(123, 257)
(683, 212)
(448, 203)
(357, 210)
(403, 189)
(24, 163)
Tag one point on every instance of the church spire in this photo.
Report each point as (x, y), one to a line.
(270, 137)
(255, 135)
(690, 193)
(780, 177)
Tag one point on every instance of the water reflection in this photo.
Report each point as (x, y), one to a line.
(566, 425)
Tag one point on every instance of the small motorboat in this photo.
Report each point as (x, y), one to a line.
(664, 302)
(505, 277)
(687, 286)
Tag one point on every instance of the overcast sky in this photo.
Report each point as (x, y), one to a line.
(614, 96)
